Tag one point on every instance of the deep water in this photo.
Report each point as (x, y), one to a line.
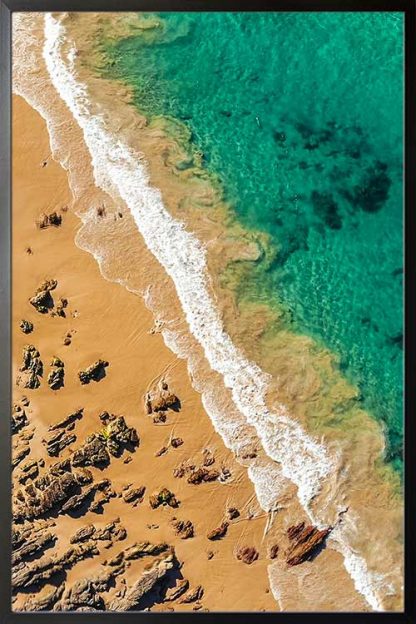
(301, 117)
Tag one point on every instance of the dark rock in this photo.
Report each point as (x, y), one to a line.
(44, 602)
(58, 442)
(62, 424)
(43, 495)
(164, 497)
(219, 532)
(56, 378)
(41, 571)
(176, 592)
(247, 554)
(117, 435)
(33, 546)
(79, 500)
(42, 301)
(33, 367)
(147, 582)
(83, 534)
(144, 549)
(95, 372)
(161, 451)
(165, 401)
(203, 475)
(307, 540)
(233, 513)
(93, 453)
(159, 418)
(176, 442)
(184, 528)
(47, 220)
(193, 595)
(134, 495)
(26, 326)
(19, 419)
(273, 551)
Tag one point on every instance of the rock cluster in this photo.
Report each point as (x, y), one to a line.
(203, 475)
(306, 541)
(26, 326)
(42, 300)
(247, 554)
(184, 528)
(56, 375)
(219, 532)
(46, 220)
(32, 367)
(95, 372)
(147, 582)
(19, 418)
(162, 400)
(164, 497)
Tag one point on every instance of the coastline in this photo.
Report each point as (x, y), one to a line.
(111, 322)
(90, 223)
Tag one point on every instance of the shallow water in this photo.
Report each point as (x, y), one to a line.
(300, 116)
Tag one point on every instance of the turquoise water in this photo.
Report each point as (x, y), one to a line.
(301, 117)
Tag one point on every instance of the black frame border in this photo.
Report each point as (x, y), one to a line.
(7, 7)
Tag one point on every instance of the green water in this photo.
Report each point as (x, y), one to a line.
(301, 117)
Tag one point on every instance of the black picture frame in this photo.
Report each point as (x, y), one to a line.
(7, 7)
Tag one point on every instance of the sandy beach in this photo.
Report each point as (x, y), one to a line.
(175, 446)
(106, 321)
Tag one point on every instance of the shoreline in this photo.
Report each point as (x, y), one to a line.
(85, 290)
(95, 224)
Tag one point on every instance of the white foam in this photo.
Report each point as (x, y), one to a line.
(118, 170)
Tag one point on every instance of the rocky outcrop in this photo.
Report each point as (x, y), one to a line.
(69, 420)
(117, 435)
(173, 593)
(51, 219)
(247, 554)
(57, 374)
(26, 326)
(203, 475)
(92, 453)
(134, 495)
(32, 367)
(144, 549)
(147, 582)
(184, 528)
(95, 372)
(161, 400)
(164, 497)
(45, 601)
(38, 572)
(112, 532)
(42, 301)
(19, 418)
(193, 595)
(32, 546)
(42, 495)
(219, 532)
(176, 442)
(77, 501)
(58, 441)
(306, 542)
(273, 551)
(233, 513)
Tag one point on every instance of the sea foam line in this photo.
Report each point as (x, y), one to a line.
(117, 170)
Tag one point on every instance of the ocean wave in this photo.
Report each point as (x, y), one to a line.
(118, 171)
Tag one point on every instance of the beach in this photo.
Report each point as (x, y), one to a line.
(176, 446)
(106, 321)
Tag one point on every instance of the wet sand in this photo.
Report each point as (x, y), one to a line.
(106, 321)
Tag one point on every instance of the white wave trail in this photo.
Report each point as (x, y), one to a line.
(117, 169)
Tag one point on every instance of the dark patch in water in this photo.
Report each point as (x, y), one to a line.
(373, 191)
(396, 341)
(326, 208)
(279, 137)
